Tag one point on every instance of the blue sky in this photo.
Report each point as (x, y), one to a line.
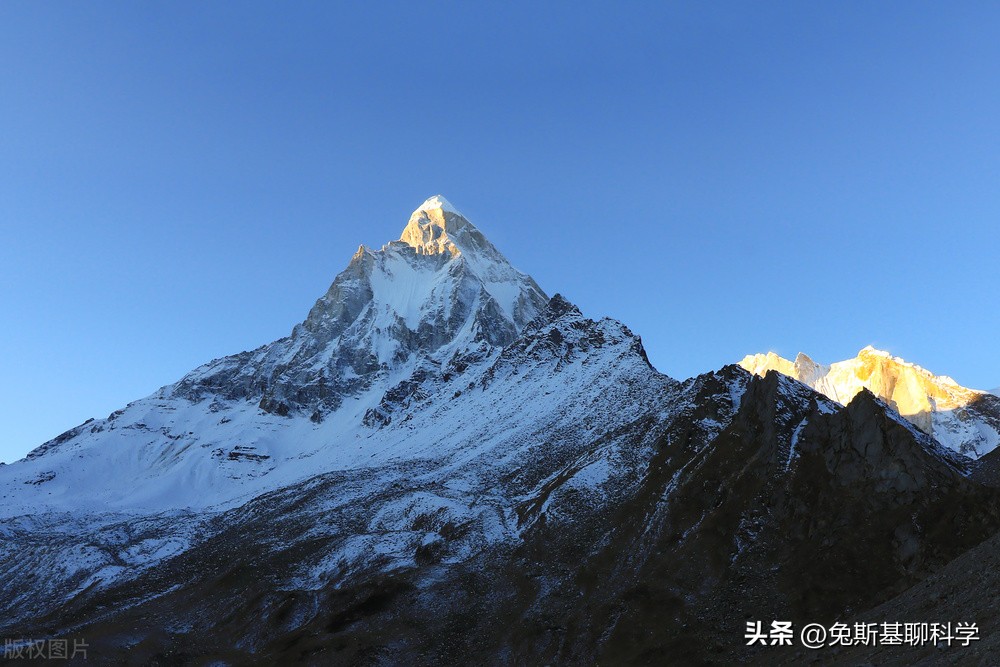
(180, 181)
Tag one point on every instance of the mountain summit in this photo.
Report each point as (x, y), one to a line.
(436, 224)
(441, 292)
(397, 322)
(965, 420)
(440, 465)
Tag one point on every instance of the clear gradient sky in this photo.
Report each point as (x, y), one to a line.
(180, 181)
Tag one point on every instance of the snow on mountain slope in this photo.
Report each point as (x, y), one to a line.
(169, 453)
(964, 420)
(640, 515)
(385, 383)
(440, 299)
(440, 292)
(442, 466)
(561, 400)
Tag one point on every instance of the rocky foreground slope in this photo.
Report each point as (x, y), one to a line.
(441, 465)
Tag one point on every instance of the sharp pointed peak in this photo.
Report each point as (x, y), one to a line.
(870, 350)
(802, 357)
(559, 305)
(438, 203)
(438, 227)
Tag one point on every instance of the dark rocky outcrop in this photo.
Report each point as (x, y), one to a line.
(756, 499)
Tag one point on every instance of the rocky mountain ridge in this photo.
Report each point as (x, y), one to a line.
(441, 465)
(965, 420)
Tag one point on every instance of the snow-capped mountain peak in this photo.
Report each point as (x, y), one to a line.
(438, 202)
(435, 428)
(963, 419)
(441, 290)
(437, 227)
(397, 323)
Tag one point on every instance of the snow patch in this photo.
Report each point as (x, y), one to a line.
(438, 202)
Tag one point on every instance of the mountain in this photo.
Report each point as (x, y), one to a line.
(396, 324)
(441, 465)
(962, 419)
(383, 389)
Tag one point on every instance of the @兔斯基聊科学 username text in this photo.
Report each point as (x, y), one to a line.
(817, 635)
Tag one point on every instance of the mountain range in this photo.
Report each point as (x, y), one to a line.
(441, 464)
(962, 419)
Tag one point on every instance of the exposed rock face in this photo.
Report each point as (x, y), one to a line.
(964, 591)
(569, 407)
(442, 466)
(442, 291)
(798, 509)
(396, 326)
(603, 537)
(965, 420)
